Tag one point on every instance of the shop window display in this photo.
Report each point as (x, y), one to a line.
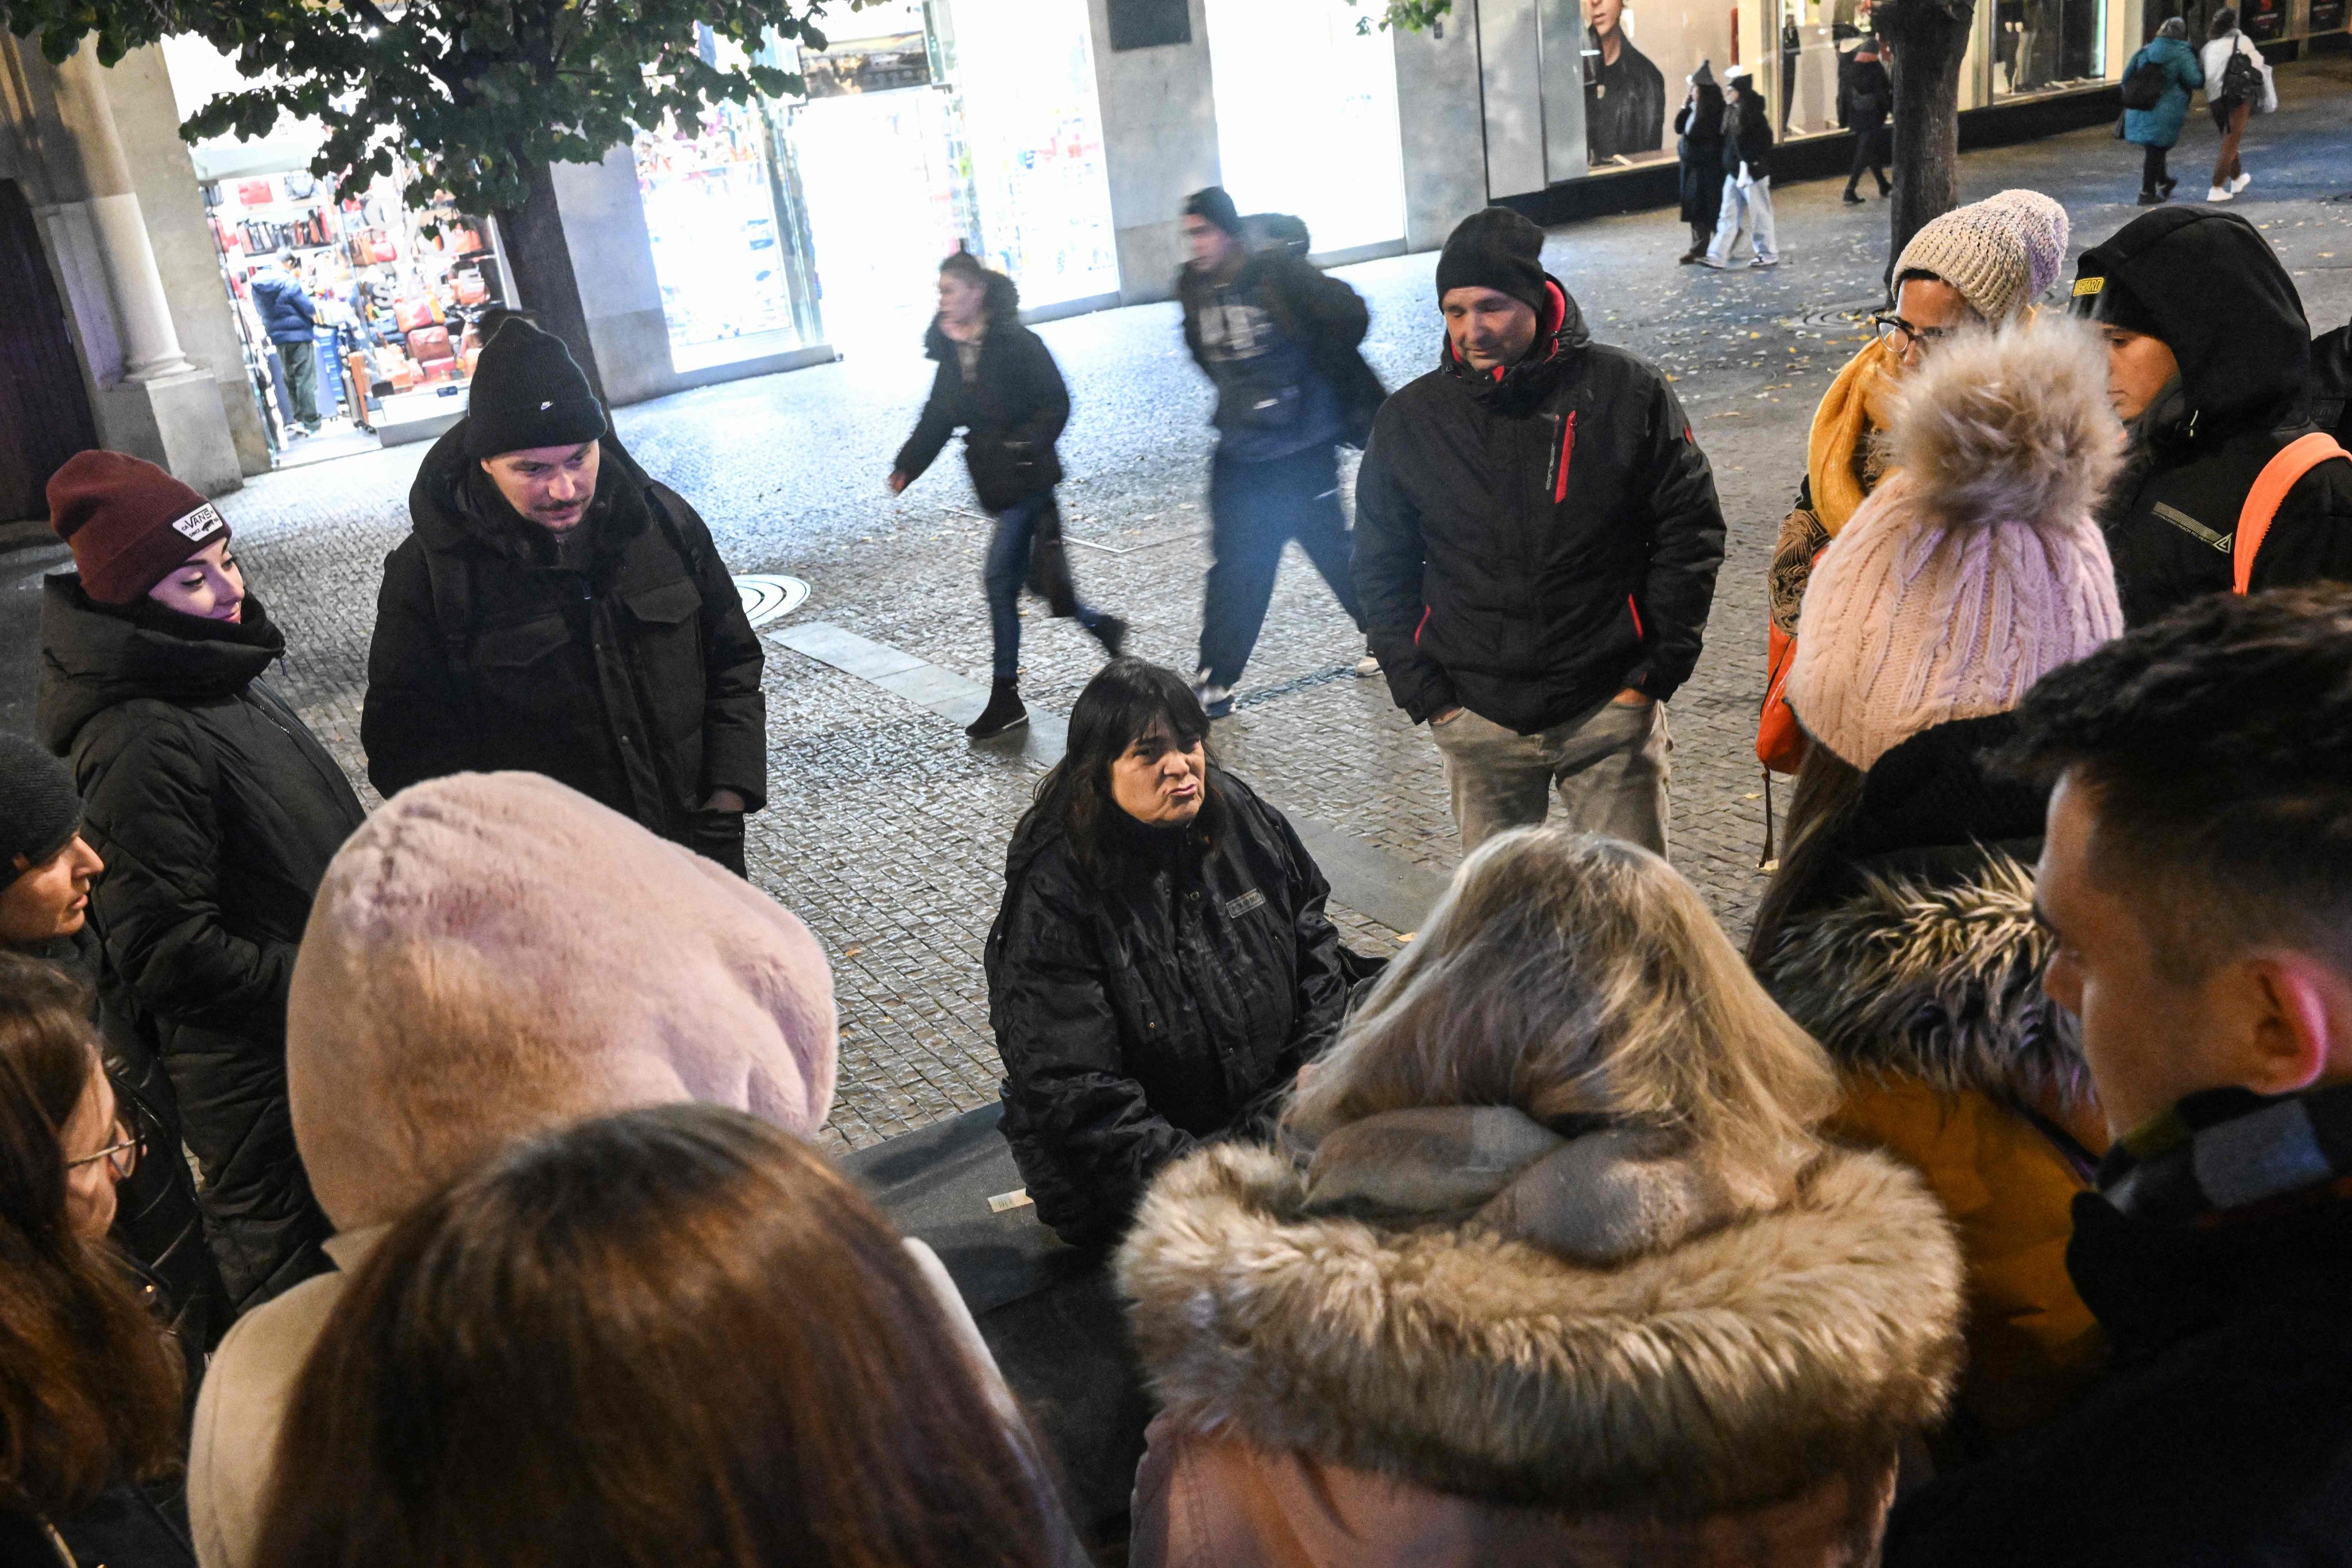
(1024, 80)
(720, 253)
(1306, 118)
(395, 292)
(2047, 45)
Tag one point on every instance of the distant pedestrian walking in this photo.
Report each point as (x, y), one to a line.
(1869, 99)
(1536, 548)
(2237, 83)
(2157, 85)
(215, 812)
(998, 382)
(555, 610)
(1698, 130)
(1746, 210)
(1279, 339)
(291, 319)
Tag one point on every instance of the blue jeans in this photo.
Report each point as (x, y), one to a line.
(1005, 569)
(1255, 508)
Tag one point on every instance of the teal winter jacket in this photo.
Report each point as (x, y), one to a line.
(2160, 126)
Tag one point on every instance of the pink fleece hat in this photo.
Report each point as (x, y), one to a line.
(1977, 566)
(494, 955)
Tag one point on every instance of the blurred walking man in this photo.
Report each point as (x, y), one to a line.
(1279, 340)
(1537, 542)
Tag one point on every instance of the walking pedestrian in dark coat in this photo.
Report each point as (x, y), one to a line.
(556, 611)
(2209, 365)
(998, 382)
(216, 811)
(2193, 883)
(1279, 339)
(47, 872)
(2155, 130)
(1161, 964)
(1536, 548)
(1869, 94)
(1698, 144)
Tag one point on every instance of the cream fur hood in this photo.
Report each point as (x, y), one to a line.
(495, 954)
(1729, 1368)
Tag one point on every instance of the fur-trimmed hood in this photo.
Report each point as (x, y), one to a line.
(1937, 979)
(1735, 1367)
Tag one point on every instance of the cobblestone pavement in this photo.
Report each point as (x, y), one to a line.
(886, 828)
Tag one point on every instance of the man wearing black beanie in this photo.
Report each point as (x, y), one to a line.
(1279, 340)
(46, 868)
(556, 611)
(1536, 541)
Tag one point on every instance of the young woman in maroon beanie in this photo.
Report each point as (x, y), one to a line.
(216, 811)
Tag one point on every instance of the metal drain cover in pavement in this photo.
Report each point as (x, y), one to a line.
(767, 599)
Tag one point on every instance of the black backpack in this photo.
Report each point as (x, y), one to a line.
(2242, 79)
(2144, 83)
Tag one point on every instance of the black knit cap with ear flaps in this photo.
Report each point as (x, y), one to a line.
(528, 392)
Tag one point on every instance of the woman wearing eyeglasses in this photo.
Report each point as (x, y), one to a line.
(1978, 266)
(90, 1385)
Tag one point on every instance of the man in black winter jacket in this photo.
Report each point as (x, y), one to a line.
(1536, 542)
(1279, 339)
(2194, 884)
(554, 610)
(2211, 364)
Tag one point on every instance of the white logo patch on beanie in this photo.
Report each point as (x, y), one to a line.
(201, 523)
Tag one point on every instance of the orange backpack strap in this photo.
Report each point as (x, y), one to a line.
(2280, 475)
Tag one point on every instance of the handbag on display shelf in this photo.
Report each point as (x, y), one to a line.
(471, 290)
(412, 312)
(256, 193)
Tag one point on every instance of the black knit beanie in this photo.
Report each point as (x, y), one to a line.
(528, 391)
(1495, 248)
(1213, 204)
(39, 810)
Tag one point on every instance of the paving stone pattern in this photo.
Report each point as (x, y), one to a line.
(885, 828)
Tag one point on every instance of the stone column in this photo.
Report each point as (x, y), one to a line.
(142, 317)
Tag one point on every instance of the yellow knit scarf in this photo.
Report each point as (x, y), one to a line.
(1853, 409)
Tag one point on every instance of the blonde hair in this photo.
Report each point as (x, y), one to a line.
(1570, 976)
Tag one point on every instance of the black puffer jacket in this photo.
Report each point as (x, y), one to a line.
(216, 812)
(1528, 546)
(1166, 999)
(633, 679)
(1747, 133)
(1698, 131)
(2232, 318)
(1011, 411)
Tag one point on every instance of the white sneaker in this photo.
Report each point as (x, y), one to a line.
(1217, 701)
(2218, 193)
(2241, 183)
(1368, 666)
(1762, 263)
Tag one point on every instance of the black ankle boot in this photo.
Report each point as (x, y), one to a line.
(1111, 632)
(1004, 712)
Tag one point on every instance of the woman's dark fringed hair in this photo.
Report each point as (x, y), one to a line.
(1127, 701)
(1829, 789)
(1003, 294)
(671, 1335)
(89, 1389)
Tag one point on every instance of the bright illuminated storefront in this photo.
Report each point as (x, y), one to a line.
(1306, 118)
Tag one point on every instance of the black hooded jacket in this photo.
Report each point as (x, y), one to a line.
(2231, 315)
(216, 812)
(1011, 411)
(1158, 997)
(632, 675)
(1530, 543)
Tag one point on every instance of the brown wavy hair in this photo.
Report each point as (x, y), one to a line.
(89, 1389)
(671, 1335)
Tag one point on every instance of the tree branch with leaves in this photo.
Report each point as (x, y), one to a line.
(478, 99)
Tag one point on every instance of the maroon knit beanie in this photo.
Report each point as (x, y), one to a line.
(130, 523)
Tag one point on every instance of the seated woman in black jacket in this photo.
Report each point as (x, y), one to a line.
(1161, 964)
